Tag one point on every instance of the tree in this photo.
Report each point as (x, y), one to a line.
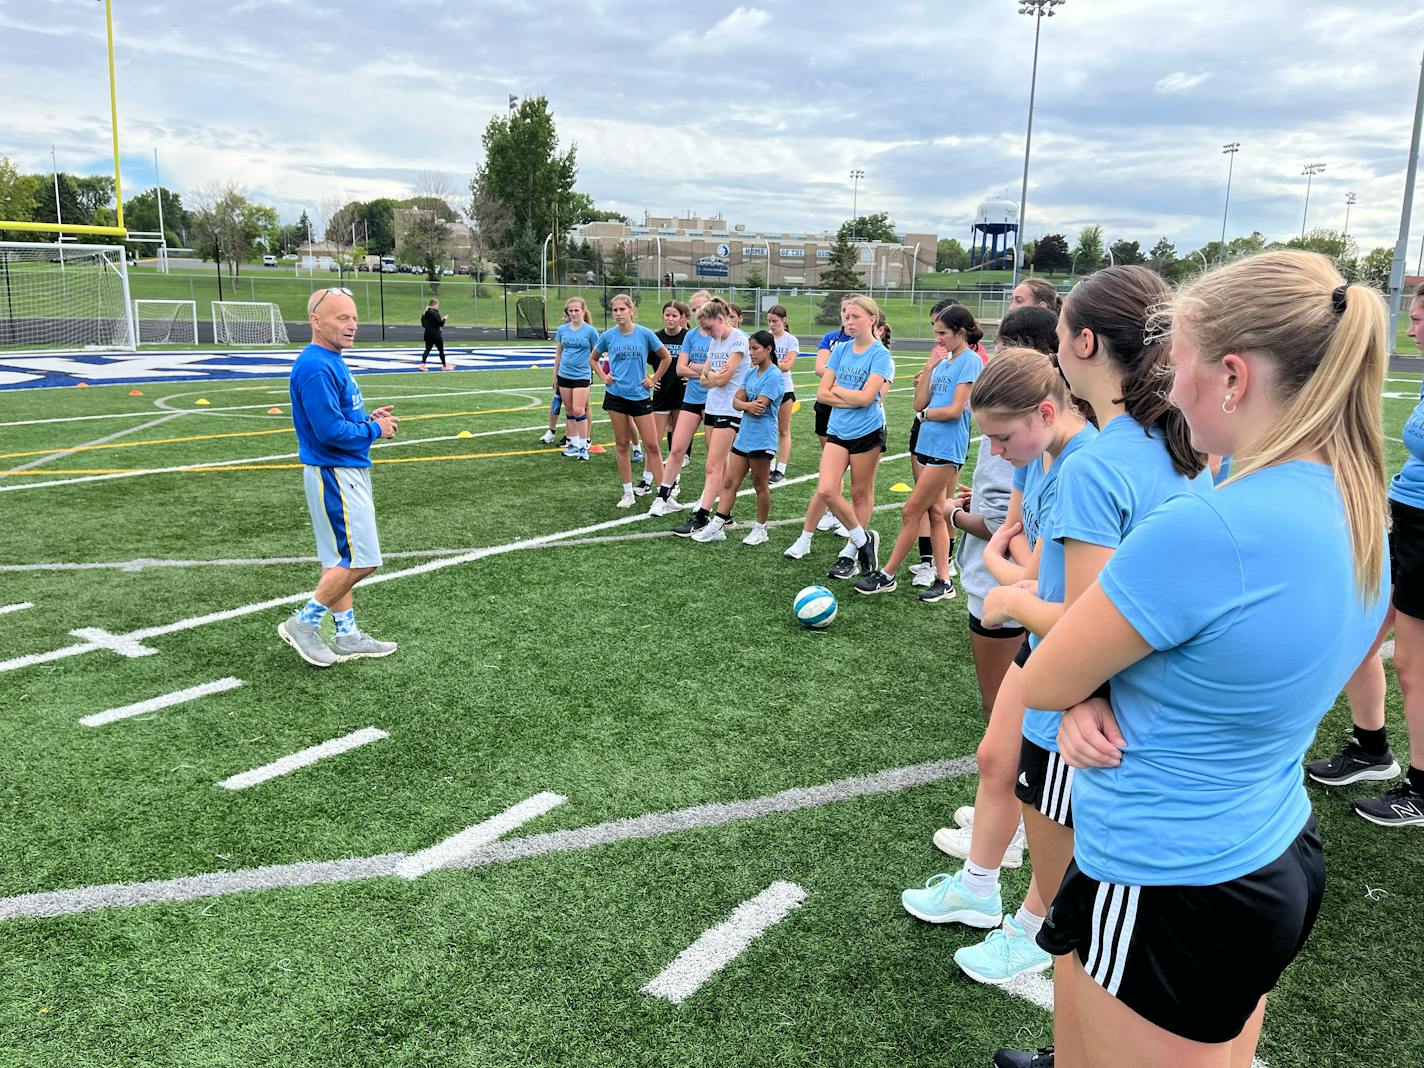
(531, 181)
(490, 227)
(1245, 246)
(427, 237)
(1088, 253)
(950, 255)
(226, 225)
(379, 219)
(141, 213)
(17, 193)
(838, 277)
(876, 227)
(1127, 252)
(1051, 254)
(1332, 243)
(94, 191)
(1374, 268)
(1162, 257)
(754, 280)
(583, 210)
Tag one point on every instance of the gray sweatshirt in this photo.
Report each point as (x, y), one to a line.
(993, 483)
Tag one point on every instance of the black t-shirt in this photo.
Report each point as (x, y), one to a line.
(432, 320)
(672, 342)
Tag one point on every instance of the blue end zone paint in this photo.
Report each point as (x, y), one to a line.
(136, 368)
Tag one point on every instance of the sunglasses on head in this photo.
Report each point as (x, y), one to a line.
(330, 290)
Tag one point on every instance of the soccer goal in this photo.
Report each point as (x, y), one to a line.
(529, 320)
(166, 322)
(245, 322)
(64, 298)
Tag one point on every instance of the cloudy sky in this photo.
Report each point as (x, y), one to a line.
(758, 110)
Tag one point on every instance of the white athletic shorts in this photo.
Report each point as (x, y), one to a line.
(343, 515)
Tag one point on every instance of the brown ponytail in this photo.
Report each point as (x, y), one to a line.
(1117, 306)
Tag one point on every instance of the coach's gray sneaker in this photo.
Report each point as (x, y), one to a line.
(306, 639)
(356, 645)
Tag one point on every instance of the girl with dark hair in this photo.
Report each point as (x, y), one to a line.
(939, 450)
(758, 399)
(1035, 292)
(1030, 327)
(667, 401)
(721, 377)
(787, 349)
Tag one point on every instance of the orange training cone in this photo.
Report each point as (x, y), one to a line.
(81, 385)
(135, 393)
(597, 449)
(274, 411)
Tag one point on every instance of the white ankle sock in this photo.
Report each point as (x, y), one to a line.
(627, 487)
(857, 536)
(980, 881)
(1030, 923)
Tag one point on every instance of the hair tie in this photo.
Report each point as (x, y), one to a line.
(1337, 299)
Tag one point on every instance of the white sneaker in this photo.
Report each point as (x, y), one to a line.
(800, 548)
(685, 460)
(953, 571)
(828, 522)
(842, 532)
(659, 507)
(711, 532)
(757, 536)
(548, 438)
(672, 504)
(956, 840)
(627, 500)
(924, 575)
(964, 815)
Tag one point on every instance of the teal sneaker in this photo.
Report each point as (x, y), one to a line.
(1004, 955)
(945, 899)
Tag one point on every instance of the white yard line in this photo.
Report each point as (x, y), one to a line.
(292, 762)
(312, 873)
(461, 845)
(97, 441)
(167, 700)
(719, 946)
(102, 640)
(6, 609)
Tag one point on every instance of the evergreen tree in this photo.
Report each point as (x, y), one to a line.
(838, 277)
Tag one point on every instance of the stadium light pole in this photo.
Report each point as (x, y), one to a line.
(855, 177)
(54, 167)
(1229, 151)
(1349, 203)
(1401, 246)
(1310, 170)
(1038, 9)
(162, 233)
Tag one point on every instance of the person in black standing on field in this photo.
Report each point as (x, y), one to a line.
(433, 322)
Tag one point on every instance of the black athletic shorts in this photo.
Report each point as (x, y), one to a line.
(865, 443)
(932, 461)
(695, 409)
(1045, 782)
(1194, 960)
(721, 422)
(915, 433)
(573, 383)
(788, 397)
(626, 405)
(976, 626)
(668, 396)
(823, 419)
(755, 454)
(1406, 558)
(1021, 657)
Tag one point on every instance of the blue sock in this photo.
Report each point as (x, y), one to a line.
(345, 621)
(313, 612)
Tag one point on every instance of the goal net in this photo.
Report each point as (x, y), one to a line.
(529, 320)
(243, 322)
(166, 322)
(64, 298)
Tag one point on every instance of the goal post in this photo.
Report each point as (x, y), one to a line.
(64, 297)
(165, 322)
(248, 322)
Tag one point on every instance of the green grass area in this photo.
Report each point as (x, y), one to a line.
(631, 676)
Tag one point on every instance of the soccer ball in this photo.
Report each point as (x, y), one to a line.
(815, 607)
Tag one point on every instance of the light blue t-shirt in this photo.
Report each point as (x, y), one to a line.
(1407, 487)
(759, 432)
(573, 360)
(1102, 494)
(948, 439)
(852, 369)
(695, 344)
(628, 359)
(1039, 489)
(1248, 659)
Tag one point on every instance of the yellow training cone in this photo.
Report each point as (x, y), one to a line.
(464, 434)
(201, 402)
(795, 407)
(900, 487)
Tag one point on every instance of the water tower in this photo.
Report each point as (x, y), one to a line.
(995, 232)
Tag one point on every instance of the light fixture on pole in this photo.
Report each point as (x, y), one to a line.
(1349, 203)
(1229, 151)
(1310, 170)
(1401, 248)
(855, 177)
(1038, 9)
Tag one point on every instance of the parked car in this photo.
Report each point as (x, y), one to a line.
(269, 261)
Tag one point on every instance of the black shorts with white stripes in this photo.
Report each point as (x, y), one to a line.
(1045, 782)
(1193, 960)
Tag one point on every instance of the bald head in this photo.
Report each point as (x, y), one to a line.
(332, 314)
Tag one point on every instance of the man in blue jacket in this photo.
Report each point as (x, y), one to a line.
(334, 436)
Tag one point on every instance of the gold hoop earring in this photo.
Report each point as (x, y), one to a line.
(1225, 402)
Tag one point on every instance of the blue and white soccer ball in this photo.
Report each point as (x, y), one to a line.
(815, 607)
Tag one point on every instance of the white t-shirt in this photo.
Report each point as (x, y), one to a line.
(719, 398)
(787, 342)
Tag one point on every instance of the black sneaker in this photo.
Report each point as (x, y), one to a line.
(868, 555)
(843, 568)
(691, 525)
(776, 476)
(563, 442)
(643, 488)
(938, 590)
(1402, 806)
(1022, 1058)
(876, 582)
(1351, 764)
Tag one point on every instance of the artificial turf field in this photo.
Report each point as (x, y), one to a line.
(631, 673)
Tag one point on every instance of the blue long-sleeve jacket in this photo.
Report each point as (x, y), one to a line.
(328, 413)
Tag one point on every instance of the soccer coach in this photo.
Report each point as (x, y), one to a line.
(334, 436)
